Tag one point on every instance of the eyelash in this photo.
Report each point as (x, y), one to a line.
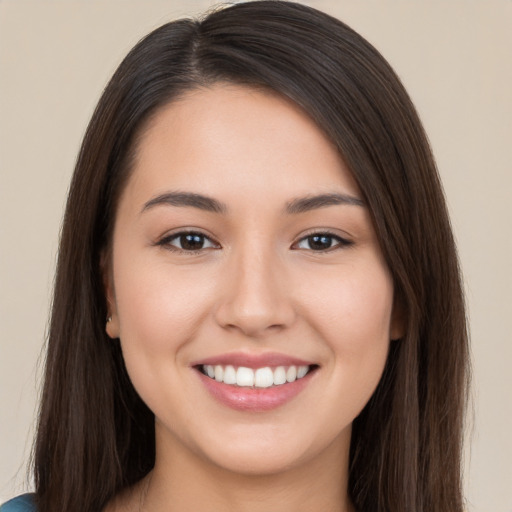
(167, 242)
(341, 242)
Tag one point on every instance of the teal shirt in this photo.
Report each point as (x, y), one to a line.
(23, 503)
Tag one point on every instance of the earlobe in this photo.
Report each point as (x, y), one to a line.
(112, 326)
(112, 323)
(396, 333)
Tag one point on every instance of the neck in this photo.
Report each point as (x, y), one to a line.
(181, 480)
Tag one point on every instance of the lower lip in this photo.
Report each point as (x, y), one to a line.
(254, 399)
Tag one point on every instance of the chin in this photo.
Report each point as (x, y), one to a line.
(260, 463)
(273, 452)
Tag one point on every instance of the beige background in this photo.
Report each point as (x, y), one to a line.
(454, 57)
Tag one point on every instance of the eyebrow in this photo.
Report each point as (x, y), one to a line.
(296, 206)
(305, 204)
(187, 199)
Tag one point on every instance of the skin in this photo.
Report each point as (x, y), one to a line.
(257, 285)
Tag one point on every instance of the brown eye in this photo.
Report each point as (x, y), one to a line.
(191, 242)
(188, 242)
(322, 242)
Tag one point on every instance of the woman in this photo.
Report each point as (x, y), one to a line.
(257, 302)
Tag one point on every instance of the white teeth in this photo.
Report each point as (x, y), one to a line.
(291, 374)
(229, 375)
(245, 377)
(259, 378)
(219, 373)
(301, 371)
(279, 376)
(263, 378)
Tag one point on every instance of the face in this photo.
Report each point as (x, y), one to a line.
(243, 257)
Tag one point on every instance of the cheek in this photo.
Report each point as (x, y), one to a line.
(353, 306)
(356, 329)
(352, 313)
(159, 310)
(159, 306)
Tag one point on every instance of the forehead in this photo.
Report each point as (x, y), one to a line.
(229, 140)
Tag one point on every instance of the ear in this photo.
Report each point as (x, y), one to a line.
(398, 320)
(112, 320)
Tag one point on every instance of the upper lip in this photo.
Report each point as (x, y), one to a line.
(252, 360)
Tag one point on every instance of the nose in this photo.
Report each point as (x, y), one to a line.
(256, 297)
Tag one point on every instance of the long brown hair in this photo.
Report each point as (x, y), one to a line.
(95, 435)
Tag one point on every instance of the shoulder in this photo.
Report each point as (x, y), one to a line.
(23, 503)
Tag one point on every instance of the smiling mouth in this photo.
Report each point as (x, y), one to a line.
(264, 377)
